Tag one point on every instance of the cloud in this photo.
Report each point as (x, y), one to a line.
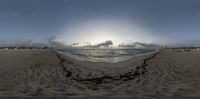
(107, 44)
(104, 44)
(81, 44)
(139, 45)
(56, 44)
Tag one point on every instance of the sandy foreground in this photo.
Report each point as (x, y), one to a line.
(44, 72)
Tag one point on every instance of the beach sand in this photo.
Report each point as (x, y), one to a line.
(44, 72)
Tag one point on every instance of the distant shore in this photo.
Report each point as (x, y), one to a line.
(44, 72)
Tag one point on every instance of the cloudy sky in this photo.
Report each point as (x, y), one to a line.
(151, 21)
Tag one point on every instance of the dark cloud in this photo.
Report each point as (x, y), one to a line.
(140, 45)
(79, 44)
(56, 44)
(104, 44)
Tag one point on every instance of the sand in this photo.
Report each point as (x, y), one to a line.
(44, 72)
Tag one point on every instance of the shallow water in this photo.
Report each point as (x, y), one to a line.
(104, 55)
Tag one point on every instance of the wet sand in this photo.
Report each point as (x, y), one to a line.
(44, 72)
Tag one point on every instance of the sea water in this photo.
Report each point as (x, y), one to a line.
(103, 55)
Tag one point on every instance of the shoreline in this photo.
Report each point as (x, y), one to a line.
(44, 72)
(103, 61)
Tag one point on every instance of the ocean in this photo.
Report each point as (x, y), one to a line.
(103, 55)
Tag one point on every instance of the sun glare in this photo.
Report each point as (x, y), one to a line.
(100, 31)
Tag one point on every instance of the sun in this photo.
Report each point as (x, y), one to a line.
(101, 36)
(100, 32)
(96, 32)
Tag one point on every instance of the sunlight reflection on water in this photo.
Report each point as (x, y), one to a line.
(103, 55)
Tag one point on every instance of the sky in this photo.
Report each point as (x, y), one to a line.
(150, 21)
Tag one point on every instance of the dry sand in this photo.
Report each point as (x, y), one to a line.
(44, 72)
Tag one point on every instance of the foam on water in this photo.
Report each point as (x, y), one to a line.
(103, 55)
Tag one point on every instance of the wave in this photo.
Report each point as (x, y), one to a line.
(104, 55)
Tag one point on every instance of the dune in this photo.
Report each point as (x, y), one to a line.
(44, 72)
